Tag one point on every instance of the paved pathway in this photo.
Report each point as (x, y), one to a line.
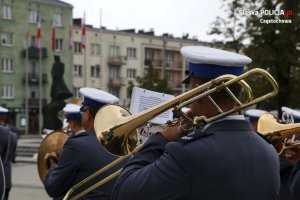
(26, 183)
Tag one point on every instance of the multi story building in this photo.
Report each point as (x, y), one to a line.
(113, 58)
(110, 59)
(21, 59)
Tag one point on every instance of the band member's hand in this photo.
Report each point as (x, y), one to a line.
(171, 132)
(51, 159)
(292, 154)
(177, 131)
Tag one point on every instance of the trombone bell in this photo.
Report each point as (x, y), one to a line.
(268, 125)
(117, 143)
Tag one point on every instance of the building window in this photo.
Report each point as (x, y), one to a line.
(6, 39)
(59, 44)
(58, 20)
(33, 16)
(114, 51)
(131, 53)
(77, 47)
(131, 73)
(95, 71)
(77, 70)
(95, 49)
(6, 12)
(169, 57)
(7, 65)
(8, 92)
(149, 55)
(76, 93)
(114, 72)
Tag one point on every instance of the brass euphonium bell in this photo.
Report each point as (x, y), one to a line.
(53, 142)
(268, 125)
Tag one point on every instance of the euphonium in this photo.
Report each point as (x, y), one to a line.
(268, 125)
(53, 142)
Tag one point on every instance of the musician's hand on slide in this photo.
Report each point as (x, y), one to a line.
(175, 132)
(292, 154)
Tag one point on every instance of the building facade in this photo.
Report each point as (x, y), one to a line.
(22, 58)
(108, 61)
(113, 58)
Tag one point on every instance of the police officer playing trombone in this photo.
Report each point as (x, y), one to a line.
(224, 159)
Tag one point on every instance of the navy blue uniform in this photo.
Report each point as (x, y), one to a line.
(82, 156)
(285, 173)
(13, 138)
(295, 182)
(227, 160)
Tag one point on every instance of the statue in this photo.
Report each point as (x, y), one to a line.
(59, 92)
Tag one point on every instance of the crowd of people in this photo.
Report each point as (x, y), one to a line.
(224, 159)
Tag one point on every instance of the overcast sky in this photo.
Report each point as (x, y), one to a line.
(175, 17)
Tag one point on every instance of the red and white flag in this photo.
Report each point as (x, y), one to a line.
(53, 37)
(38, 42)
(83, 32)
(70, 33)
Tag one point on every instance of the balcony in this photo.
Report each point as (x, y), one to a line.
(154, 63)
(116, 60)
(33, 79)
(34, 53)
(34, 102)
(174, 66)
(115, 82)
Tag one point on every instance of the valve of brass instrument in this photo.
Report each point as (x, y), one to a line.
(269, 126)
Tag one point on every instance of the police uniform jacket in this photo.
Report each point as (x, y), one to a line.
(10, 156)
(82, 155)
(285, 172)
(2, 180)
(227, 160)
(4, 140)
(295, 182)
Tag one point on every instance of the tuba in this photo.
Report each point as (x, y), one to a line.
(268, 125)
(116, 128)
(53, 142)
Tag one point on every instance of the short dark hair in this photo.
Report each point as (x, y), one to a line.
(221, 96)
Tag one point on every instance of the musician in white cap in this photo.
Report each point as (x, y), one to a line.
(290, 166)
(73, 116)
(82, 154)
(253, 116)
(224, 159)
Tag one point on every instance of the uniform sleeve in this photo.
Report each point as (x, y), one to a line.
(158, 171)
(295, 182)
(59, 179)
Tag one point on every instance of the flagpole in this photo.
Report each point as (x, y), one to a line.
(84, 45)
(71, 45)
(26, 84)
(40, 77)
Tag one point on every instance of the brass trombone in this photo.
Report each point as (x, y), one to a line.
(268, 125)
(116, 128)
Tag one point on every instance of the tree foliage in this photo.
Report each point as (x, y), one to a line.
(272, 46)
(151, 81)
(276, 47)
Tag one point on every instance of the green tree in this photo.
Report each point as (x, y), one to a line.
(151, 81)
(275, 47)
(231, 28)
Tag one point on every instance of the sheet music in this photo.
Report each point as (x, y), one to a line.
(142, 99)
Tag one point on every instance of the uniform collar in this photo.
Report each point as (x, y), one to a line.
(231, 117)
